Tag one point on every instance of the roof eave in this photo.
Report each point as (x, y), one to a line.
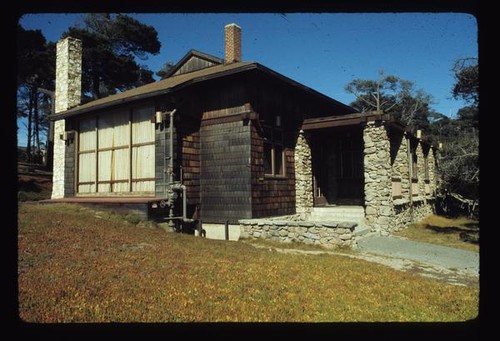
(246, 67)
(75, 111)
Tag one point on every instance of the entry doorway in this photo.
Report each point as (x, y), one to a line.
(337, 162)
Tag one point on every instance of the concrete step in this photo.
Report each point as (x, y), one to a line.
(334, 214)
(351, 212)
(339, 209)
(354, 214)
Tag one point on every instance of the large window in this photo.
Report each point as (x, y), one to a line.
(116, 152)
(274, 153)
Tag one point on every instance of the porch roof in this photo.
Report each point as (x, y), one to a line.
(359, 118)
(344, 120)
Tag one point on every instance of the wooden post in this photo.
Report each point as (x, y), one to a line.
(199, 228)
(227, 229)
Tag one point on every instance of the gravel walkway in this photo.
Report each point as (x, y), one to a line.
(453, 265)
(450, 265)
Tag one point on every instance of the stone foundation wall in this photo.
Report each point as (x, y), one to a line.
(325, 234)
(404, 216)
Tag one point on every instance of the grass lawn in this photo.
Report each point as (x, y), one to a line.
(78, 266)
(444, 231)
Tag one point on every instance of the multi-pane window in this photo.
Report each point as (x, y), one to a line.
(116, 152)
(274, 158)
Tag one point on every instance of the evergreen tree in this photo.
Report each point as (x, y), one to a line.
(111, 45)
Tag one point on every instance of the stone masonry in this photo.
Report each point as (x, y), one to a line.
(386, 213)
(304, 200)
(67, 95)
(432, 171)
(378, 182)
(400, 168)
(327, 234)
(421, 172)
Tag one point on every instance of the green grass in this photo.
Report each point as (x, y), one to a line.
(76, 267)
(443, 231)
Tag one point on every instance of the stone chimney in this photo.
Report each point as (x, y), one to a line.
(232, 44)
(67, 95)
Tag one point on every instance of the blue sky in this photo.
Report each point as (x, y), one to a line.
(324, 51)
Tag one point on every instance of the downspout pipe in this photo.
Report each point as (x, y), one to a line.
(176, 185)
(170, 171)
(171, 151)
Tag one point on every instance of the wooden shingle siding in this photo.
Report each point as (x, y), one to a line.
(194, 63)
(191, 167)
(225, 173)
(271, 196)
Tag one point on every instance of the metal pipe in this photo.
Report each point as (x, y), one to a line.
(171, 161)
(165, 170)
(171, 168)
(179, 186)
(184, 203)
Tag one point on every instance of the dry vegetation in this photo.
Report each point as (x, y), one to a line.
(76, 265)
(444, 231)
(32, 187)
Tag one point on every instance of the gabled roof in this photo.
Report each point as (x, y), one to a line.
(161, 87)
(178, 82)
(211, 60)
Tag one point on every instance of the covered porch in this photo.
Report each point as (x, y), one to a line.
(337, 159)
(344, 169)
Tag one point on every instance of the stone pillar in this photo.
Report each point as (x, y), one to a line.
(378, 183)
(304, 200)
(400, 166)
(431, 161)
(421, 171)
(67, 95)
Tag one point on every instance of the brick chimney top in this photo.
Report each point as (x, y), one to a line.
(232, 44)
